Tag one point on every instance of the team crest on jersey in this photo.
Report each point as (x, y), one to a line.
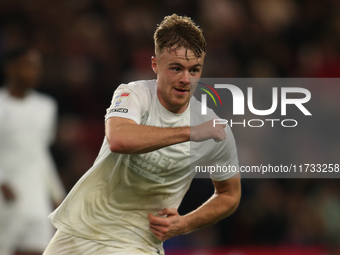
(121, 99)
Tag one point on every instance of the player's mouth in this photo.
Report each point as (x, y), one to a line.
(182, 91)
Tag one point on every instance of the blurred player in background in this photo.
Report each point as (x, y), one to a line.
(127, 202)
(28, 178)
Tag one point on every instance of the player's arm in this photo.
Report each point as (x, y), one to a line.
(125, 136)
(52, 179)
(224, 202)
(6, 189)
(7, 192)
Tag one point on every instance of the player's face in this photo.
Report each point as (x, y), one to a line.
(174, 70)
(28, 70)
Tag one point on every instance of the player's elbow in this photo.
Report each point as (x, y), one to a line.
(117, 145)
(115, 148)
(231, 203)
(235, 201)
(236, 204)
(119, 136)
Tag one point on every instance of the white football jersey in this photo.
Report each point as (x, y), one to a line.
(111, 202)
(27, 128)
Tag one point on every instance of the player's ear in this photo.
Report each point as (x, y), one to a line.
(154, 64)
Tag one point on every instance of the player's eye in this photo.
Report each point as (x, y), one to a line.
(196, 70)
(176, 69)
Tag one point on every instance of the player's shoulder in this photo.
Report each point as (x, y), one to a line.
(141, 87)
(196, 112)
(145, 85)
(2, 93)
(2, 96)
(43, 99)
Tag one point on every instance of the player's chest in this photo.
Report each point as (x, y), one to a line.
(169, 158)
(24, 119)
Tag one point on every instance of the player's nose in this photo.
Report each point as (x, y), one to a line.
(185, 78)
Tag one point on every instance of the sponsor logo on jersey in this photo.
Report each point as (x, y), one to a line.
(122, 95)
(121, 99)
(123, 110)
(151, 164)
(158, 160)
(137, 169)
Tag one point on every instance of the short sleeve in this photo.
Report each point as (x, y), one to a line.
(2, 175)
(127, 102)
(2, 114)
(54, 121)
(226, 158)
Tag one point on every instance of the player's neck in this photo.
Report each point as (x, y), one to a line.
(177, 109)
(17, 91)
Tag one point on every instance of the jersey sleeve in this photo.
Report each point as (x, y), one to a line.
(52, 179)
(2, 175)
(225, 157)
(127, 102)
(54, 183)
(53, 122)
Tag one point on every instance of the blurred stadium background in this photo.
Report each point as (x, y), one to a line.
(92, 46)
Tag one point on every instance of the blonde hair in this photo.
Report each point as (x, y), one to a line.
(177, 31)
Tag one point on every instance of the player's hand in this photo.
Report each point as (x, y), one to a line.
(7, 192)
(207, 131)
(165, 228)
